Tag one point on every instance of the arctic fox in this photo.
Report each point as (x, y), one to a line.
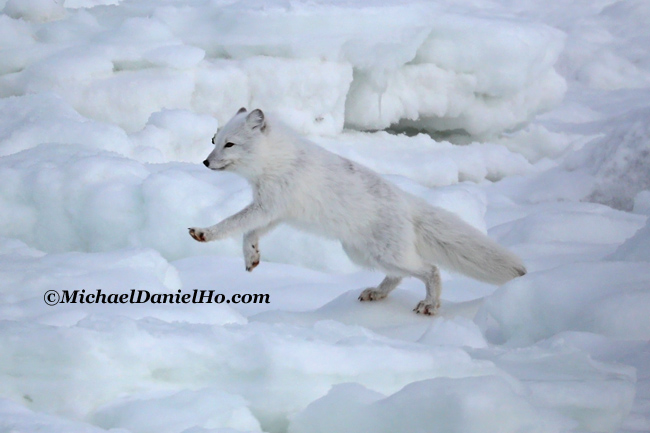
(294, 181)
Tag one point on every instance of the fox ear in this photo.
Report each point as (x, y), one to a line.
(241, 110)
(255, 119)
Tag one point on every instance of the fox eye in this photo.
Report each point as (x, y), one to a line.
(229, 144)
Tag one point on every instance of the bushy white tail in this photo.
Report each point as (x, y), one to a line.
(457, 246)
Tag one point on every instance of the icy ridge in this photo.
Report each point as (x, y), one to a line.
(321, 65)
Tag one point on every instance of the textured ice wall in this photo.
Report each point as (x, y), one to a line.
(367, 65)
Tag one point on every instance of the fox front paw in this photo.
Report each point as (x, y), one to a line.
(251, 257)
(371, 294)
(199, 235)
(428, 308)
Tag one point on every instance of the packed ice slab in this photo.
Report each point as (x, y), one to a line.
(108, 107)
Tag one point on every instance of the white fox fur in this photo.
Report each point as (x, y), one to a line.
(380, 226)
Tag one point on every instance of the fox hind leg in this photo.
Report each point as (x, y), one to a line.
(431, 303)
(380, 292)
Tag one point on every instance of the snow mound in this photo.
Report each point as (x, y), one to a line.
(588, 224)
(272, 367)
(619, 161)
(174, 135)
(457, 81)
(118, 272)
(483, 405)
(427, 161)
(642, 203)
(35, 10)
(30, 120)
(456, 331)
(580, 297)
(636, 248)
(175, 56)
(608, 55)
(597, 398)
(172, 412)
(16, 417)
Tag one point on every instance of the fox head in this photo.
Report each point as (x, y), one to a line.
(237, 145)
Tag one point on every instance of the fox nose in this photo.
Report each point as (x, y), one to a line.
(206, 163)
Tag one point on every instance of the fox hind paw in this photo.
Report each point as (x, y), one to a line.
(372, 294)
(428, 308)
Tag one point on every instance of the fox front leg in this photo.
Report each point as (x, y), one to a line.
(251, 217)
(251, 245)
(251, 250)
(198, 234)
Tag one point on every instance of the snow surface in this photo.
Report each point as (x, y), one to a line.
(529, 119)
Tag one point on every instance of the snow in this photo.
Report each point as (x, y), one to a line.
(635, 248)
(530, 311)
(528, 119)
(370, 71)
(35, 10)
(167, 412)
(619, 161)
(441, 405)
